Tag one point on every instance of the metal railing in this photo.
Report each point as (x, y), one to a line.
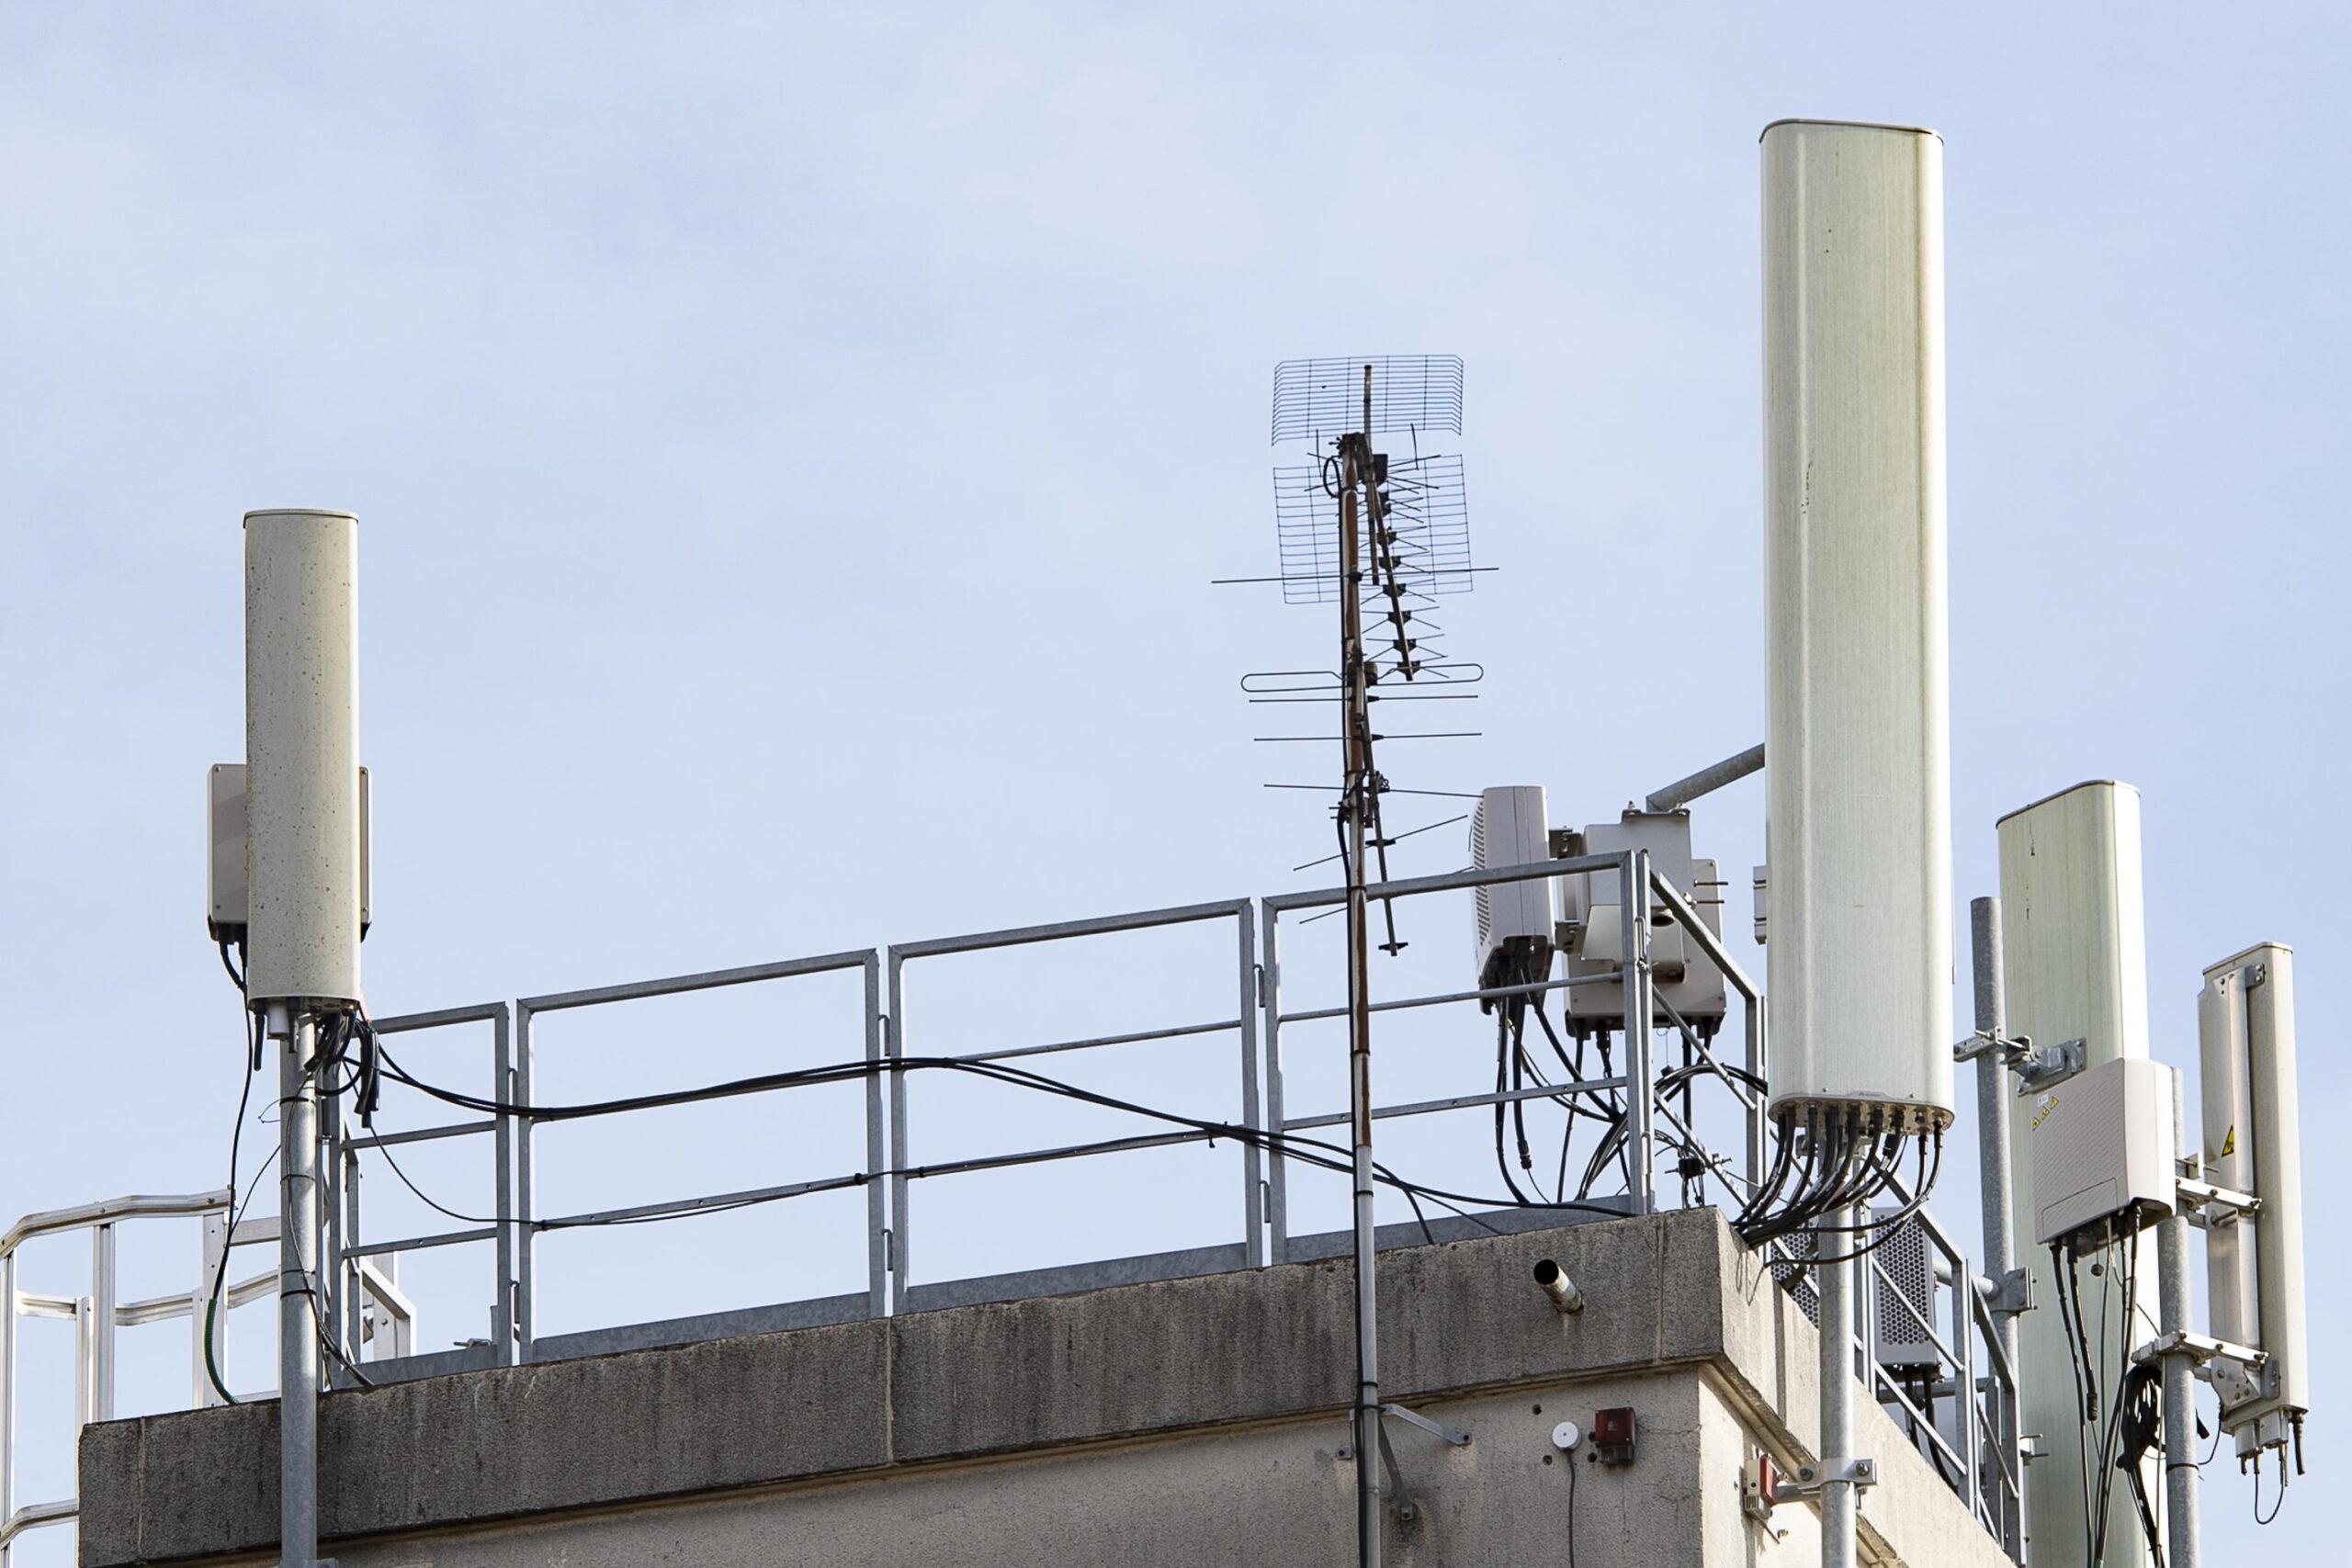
(97, 1314)
(1971, 1456)
(365, 1298)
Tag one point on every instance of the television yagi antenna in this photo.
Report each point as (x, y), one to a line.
(1385, 537)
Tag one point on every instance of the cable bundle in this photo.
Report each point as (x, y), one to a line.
(1838, 1157)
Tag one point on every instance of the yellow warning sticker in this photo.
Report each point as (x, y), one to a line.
(2228, 1142)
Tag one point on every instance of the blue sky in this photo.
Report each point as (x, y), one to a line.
(793, 446)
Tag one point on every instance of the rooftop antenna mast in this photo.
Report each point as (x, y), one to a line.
(1386, 537)
(1359, 474)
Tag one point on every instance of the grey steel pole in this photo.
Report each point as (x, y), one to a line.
(1706, 781)
(1641, 1010)
(1994, 1095)
(2179, 1376)
(1839, 1503)
(298, 1241)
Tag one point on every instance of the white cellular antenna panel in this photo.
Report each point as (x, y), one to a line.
(2075, 957)
(2251, 1143)
(302, 810)
(1859, 785)
(1509, 826)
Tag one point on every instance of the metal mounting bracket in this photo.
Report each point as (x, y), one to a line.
(2037, 1069)
(1407, 1509)
(2208, 1207)
(2203, 1348)
(1812, 1478)
(2011, 1294)
(1434, 1428)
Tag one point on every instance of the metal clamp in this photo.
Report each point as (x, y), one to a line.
(2036, 1069)
(2011, 1294)
(2040, 1068)
(2203, 1347)
(2208, 1207)
(1407, 1509)
(1812, 1478)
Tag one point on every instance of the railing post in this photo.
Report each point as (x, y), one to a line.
(1253, 1192)
(1963, 1344)
(102, 1323)
(501, 1310)
(213, 1253)
(8, 1393)
(877, 1206)
(1634, 879)
(526, 1269)
(893, 1036)
(1270, 997)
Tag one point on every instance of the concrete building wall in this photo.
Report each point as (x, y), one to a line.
(1184, 1422)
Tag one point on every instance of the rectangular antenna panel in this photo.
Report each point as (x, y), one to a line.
(1860, 781)
(2253, 1143)
(1508, 828)
(2103, 1150)
(2074, 956)
(225, 887)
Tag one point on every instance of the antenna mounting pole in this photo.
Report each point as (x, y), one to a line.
(1358, 803)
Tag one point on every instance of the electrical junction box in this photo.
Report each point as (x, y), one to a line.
(1612, 1435)
(226, 885)
(1515, 918)
(2103, 1150)
(1593, 927)
(1902, 1298)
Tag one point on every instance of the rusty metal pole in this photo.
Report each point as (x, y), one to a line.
(1355, 805)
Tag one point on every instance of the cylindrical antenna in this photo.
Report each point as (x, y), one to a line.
(1859, 786)
(302, 757)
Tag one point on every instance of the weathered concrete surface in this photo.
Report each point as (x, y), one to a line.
(1203, 1413)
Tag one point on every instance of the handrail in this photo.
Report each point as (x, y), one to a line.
(137, 1205)
(1253, 969)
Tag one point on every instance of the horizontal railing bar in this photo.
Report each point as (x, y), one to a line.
(708, 980)
(415, 1243)
(1448, 881)
(155, 1309)
(1531, 988)
(694, 1205)
(253, 1289)
(1460, 1102)
(1879, 1376)
(33, 1515)
(1101, 925)
(1068, 1151)
(1140, 1036)
(480, 1012)
(859, 1178)
(106, 1212)
(31, 1305)
(417, 1136)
